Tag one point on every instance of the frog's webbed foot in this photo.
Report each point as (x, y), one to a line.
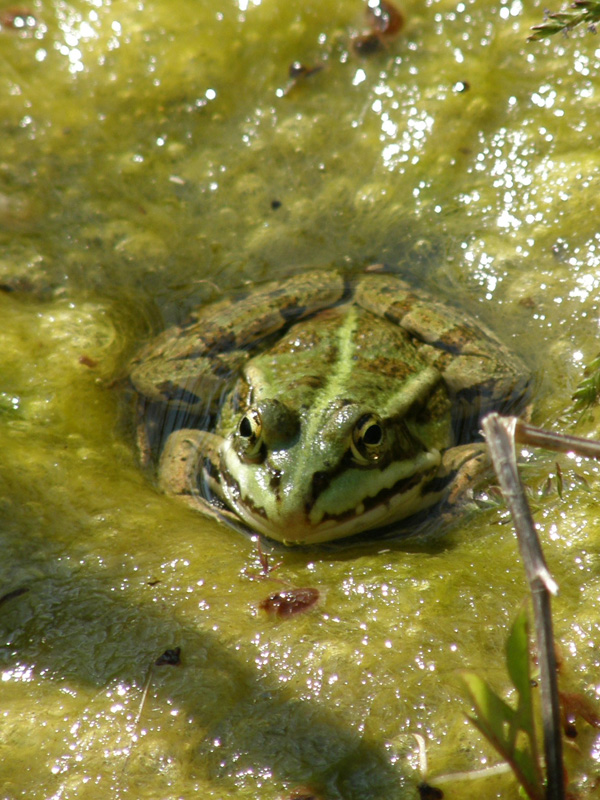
(183, 468)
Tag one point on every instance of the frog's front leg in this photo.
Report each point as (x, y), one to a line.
(462, 467)
(185, 461)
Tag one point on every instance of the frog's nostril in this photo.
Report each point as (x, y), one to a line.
(320, 482)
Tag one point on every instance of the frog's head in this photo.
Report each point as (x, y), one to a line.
(302, 477)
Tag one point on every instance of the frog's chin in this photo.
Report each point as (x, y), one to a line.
(296, 530)
(299, 529)
(356, 502)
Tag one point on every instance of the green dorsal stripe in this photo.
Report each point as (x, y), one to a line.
(337, 381)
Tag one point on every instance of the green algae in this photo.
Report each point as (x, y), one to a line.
(152, 158)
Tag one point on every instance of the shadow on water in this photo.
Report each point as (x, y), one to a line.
(74, 629)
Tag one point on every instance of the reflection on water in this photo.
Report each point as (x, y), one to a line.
(148, 166)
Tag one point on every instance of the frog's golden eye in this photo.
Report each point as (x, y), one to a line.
(269, 425)
(249, 435)
(249, 426)
(367, 439)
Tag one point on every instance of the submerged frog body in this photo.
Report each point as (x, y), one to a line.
(313, 409)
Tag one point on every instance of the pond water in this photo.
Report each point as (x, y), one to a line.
(155, 156)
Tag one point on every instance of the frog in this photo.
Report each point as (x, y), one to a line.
(321, 406)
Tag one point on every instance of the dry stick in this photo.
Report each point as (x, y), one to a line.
(559, 442)
(500, 436)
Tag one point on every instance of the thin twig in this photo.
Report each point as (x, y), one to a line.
(558, 442)
(500, 434)
(138, 717)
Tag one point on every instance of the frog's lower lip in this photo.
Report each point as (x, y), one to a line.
(298, 528)
(294, 528)
(395, 494)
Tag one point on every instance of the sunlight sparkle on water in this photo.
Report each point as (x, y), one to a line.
(76, 31)
(359, 77)
(511, 10)
(21, 672)
(588, 283)
(413, 138)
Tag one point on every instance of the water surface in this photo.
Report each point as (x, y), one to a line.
(154, 157)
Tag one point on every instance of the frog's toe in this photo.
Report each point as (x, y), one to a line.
(462, 466)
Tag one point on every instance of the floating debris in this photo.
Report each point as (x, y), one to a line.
(290, 601)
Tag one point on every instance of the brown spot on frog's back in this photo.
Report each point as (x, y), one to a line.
(390, 367)
(456, 338)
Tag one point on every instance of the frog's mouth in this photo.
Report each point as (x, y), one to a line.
(360, 500)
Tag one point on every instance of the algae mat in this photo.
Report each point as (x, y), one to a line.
(156, 155)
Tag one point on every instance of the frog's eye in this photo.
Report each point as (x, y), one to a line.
(266, 427)
(249, 435)
(367, 439)
(249, 427)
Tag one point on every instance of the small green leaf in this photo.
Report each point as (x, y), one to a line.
(587, 392)
(493, 710)
(517, 662)
(511, 730)
(517, 655)
(581, 12)
(559, 480)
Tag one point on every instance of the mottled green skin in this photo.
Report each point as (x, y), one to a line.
(312, 410)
